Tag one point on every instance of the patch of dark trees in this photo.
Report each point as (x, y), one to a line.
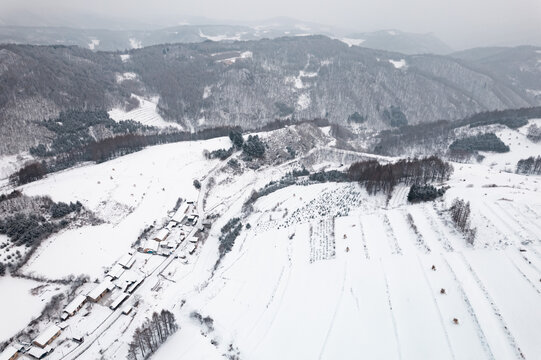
(529, 166)
(460, 215)
(420, 193)
(12, 195)
(72, 130)
(253, 147)
(356, 118)
(480, 142)
(392, 142)
(395, 117)
(30, 229)
(151, 334)
(230, 231)
(534, 133)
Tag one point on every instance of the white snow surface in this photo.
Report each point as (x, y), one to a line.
(124, 57)
(351, 41)
(18, 305)
(93, 43)
(135, 44)
(146, 113)
(399, 64)
(325, 271)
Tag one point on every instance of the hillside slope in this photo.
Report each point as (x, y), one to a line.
(247, 84)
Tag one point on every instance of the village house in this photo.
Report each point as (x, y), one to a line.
(75, 305)
(9, 353)
(151, 247)
(39, 353)
(116, 271)
(161, 235)
(180, 214)
(100, 290)
(127, 261)
(47, 336)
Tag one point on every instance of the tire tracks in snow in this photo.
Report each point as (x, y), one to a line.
(480, 333)
(336, 308)
(495, 309)
(395, 327)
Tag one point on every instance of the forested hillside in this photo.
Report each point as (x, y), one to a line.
(244, 83)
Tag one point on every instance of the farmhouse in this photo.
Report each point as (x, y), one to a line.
(99, 291)
(47, 336)
(9, 353)
(75, 305)
(161, 235)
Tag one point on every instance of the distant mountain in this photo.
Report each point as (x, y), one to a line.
(398, 41)
(121, 38)
(248, 84)
(520, 66)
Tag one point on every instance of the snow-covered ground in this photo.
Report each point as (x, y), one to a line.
(351, 41)
(324, 271)
(146, 113)
(399, 64)
(22, 300)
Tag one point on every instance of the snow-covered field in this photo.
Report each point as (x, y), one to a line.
(146, 113)
(22, 300)
(324, 271)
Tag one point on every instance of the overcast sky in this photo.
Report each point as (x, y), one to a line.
(460, 23)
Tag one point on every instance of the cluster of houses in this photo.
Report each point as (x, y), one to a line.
(121, 276)
(162, 243)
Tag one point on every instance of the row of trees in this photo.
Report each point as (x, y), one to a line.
(460, 214)
(151, 334)
(531, 165)
(384, 177)
(230, 231)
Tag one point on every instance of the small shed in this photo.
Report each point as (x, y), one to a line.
(161, 235)
(193, 239)
(75, 305)
(99, 291)
(191, 247)
(134, 285)
(9, 353)
(119, 300)
(47, 336)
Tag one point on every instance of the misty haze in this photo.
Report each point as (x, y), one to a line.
(270, 180)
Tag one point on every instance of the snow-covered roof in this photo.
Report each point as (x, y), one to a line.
(116, 271)
(135, 284)
(38, 353)
(99, 289)
(127, 260)
(161, 235)
(118, 300)
(8, 353)
(181, 212)
(193, 239)
(47, 335)
(75, 304)
(152, 245)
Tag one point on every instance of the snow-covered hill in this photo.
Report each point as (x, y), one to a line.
(323, 271)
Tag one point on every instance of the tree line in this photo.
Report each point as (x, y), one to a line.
(460, 214)
(378, 177)
(529, 166)
(151, 334)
